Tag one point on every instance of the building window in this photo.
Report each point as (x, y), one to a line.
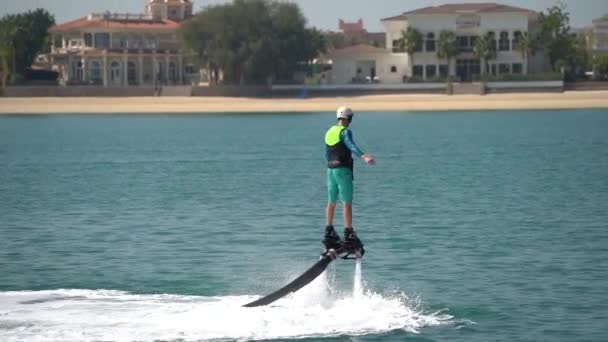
(173, 13)
(160, 72)
(430, 42)
(151, 43)
(431, 71)
(418, 71)
(397, 46)
(503, 68)
(102, 40)
(74, 43)
(503, 42)
(172, 72)
(463, 42)
(95, 71)
(123, 43)
(80, 71)
(131, 73)
(393, 69)
(600, 40)
(88, 40)
(443, 70)
(517, 68)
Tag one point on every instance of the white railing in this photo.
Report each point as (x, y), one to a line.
(119, 16)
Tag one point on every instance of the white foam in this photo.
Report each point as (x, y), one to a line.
(102, 315)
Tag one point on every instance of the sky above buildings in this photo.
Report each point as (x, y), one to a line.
(323, 14)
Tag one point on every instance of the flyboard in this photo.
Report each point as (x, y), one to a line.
(345, 251)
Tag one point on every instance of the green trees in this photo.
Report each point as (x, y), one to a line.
(526, 45)
(485, 50)
(600, 67)
(251, 41)
(565, 49)
(6, 50)
(554, 33)
(410, 42)
(22, 37)
(335, 40)
(447, 47)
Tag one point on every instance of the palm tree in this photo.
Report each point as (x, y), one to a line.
(526, 45)
(410, 42)
(4, 68)
(6, 49)
(485, 50)
(448, 47)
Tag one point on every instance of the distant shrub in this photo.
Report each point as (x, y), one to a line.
(436, 79)
(15, 79)
(600, 68)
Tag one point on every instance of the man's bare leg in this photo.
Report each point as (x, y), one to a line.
(329, 214)
(348, 215)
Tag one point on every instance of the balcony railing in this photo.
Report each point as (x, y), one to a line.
(120, 16)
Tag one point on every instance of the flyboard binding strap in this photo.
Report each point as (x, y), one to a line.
(348, 249)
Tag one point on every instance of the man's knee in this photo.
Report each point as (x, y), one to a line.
(331, 205)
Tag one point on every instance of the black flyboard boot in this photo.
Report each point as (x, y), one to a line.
(331, 240)
(352, 244)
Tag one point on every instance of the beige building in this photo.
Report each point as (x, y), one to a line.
(121, 50)
(468, 21)
(599, 36)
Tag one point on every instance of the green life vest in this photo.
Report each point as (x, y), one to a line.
(338, 154)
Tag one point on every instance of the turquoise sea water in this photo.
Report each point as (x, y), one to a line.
(479, 226)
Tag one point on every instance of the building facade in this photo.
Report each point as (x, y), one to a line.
(367, 64)
(598, 36)
(468, 22)
(122, 50)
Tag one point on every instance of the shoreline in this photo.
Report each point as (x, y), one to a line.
(367, 103)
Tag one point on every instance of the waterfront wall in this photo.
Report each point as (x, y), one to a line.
(76, 91)
(524, 87)
(301, 91)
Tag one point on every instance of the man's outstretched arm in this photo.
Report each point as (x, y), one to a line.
(347, 137)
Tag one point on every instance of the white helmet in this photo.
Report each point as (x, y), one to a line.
(344, 113)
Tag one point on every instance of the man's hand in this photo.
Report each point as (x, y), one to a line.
(368, 159)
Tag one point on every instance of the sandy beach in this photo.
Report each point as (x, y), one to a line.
(88, 105)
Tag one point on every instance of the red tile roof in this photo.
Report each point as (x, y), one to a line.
(486, 7)
(351, 27)
(85, 22)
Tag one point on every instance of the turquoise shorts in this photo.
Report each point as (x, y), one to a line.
(340, 183)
